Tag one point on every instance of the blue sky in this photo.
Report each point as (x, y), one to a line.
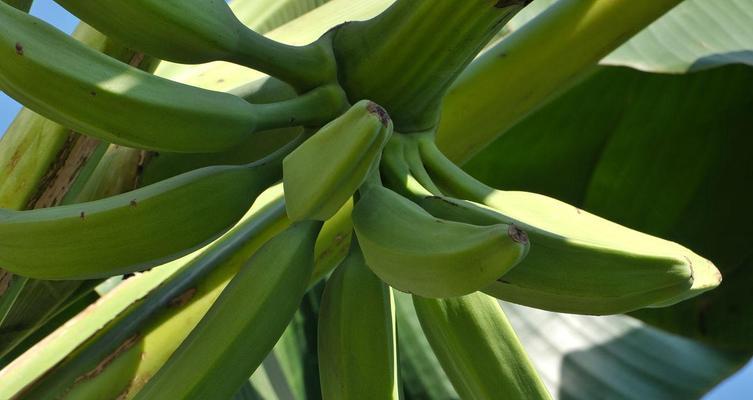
(738, 387)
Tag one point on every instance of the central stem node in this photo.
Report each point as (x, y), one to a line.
(406, 58)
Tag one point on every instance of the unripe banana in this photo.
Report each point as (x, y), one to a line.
(478, 349)
(580, 263)
(134, 230)
(97, 95)
(149, 316)
(243, 324)
(324, 172)
(199, 31)
(357, 342)
(187, 32)
(417, 253)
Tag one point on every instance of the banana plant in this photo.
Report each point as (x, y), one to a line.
(275, 191)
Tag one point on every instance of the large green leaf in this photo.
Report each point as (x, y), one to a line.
(667, 154)
(616, 357)
(695, 35)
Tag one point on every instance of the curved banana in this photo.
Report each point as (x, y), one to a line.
(417, 253)
(478, 349)
(135, 230)
(344, 152)
(85, 90)
(580, 263)
(199, 31)
(243, 324)
(357, 338)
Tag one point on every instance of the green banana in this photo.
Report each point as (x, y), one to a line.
(153, 325)
(228, 345)
(85, 90)
(134, 230)
(417, 253)
(357, 338)
(199, 31)
(478, 349)
(344, 151)
(579, 263)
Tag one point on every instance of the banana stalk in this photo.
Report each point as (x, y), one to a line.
(406, 58)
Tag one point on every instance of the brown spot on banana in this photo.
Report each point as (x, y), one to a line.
(19, 49)
(377, 110)
(517, 234)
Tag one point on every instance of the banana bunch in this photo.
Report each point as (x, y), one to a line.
(135, 230)
(357, 336)
(350, 147)
(578, 262)
(417, 223)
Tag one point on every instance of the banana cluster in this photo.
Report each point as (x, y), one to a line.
(420, 225)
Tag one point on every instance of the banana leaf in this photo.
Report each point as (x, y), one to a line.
(695, 35)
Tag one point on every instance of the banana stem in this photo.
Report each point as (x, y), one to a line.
(534, 64)
(406, 58)
(304, 67)
(418, 172)
(450, 176)
(314, 108)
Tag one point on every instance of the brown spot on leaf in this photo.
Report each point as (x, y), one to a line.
(183, 298)
(127, 344)
(517, 234)
(19, 49)
(5, 279)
